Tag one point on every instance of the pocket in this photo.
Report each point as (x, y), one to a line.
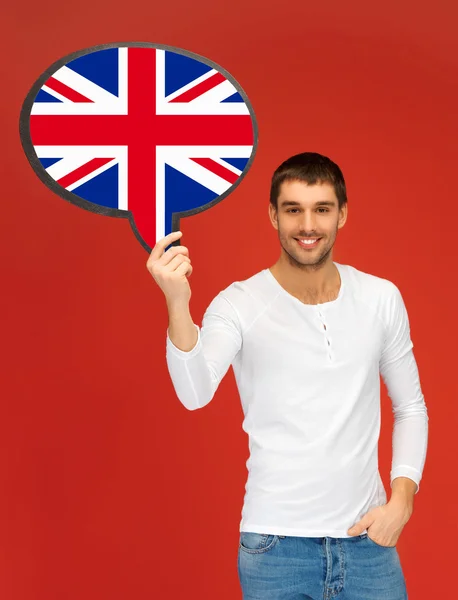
(257, 543)
(374, 542)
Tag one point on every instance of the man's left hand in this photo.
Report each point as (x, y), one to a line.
(384, 523)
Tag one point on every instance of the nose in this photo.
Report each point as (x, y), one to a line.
(308, 222)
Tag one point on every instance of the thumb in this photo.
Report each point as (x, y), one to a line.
(361, 525)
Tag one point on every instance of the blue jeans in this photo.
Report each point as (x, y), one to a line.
(277, 567)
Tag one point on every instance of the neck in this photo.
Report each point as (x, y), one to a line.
(307, 281)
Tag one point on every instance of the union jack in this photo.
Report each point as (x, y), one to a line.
(140, 131)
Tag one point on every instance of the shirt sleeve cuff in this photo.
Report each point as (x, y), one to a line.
(406, 471)
(181, 353)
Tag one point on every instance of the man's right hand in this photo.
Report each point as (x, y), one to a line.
(170, 269)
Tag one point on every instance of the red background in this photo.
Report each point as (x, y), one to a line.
(109, 487)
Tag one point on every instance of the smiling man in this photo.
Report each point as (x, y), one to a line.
(308, 339)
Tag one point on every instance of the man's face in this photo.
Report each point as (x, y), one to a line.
(307, 211)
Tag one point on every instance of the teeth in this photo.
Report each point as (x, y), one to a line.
(308, 241)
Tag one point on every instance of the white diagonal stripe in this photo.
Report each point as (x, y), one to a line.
(216, 94)
(47, 89)
(75, 156)
(92, 174)
(190, 85)
(227, 165)
(104, 103)
(84, 86)
(199, 174)
(66, 165)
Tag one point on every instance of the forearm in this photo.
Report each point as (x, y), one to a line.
(182, 330)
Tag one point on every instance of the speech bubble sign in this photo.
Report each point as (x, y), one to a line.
(138, 130)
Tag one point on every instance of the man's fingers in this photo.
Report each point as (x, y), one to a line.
(365, 522)
(160, 246)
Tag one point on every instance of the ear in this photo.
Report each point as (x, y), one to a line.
(343, 213)
(273, 215)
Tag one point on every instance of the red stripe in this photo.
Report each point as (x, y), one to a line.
(165, 130)
(66, 91)
(142, 136)
(82, 171)
(200, 88)
(217, 169)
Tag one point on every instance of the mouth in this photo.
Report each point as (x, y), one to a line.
(308, 242)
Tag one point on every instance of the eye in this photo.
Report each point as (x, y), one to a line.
(321, 208)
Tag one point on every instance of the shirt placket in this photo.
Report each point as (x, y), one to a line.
(324, 327)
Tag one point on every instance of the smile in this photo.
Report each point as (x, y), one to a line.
(309, 243)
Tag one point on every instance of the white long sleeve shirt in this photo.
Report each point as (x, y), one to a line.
(308, 376)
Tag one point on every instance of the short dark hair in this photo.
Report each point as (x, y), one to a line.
(311, 168)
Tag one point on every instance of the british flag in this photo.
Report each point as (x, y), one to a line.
(141, 131)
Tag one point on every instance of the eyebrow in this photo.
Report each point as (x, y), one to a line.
(319, 203)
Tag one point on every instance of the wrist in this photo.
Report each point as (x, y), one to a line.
(402, 494)
(177, 305)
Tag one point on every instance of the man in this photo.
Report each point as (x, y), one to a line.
(308, 339)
